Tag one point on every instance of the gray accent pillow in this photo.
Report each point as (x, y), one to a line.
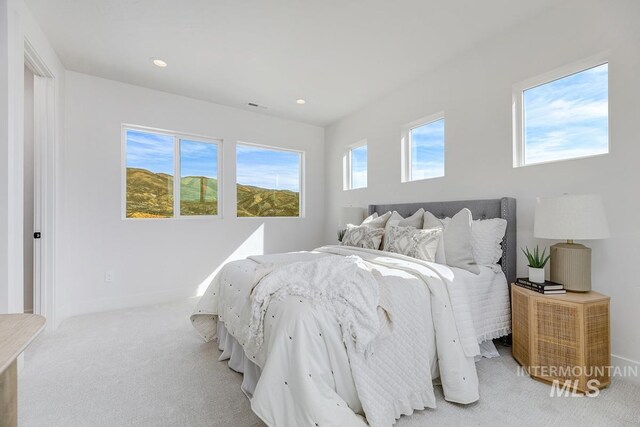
(413, 242)
(456, 239)
(363, 236)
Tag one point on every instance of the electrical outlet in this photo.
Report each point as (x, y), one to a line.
(109, 276)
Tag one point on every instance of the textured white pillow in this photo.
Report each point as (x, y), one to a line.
(456, 239)
(377, 221)
(369, 218)
(410, 241)
(414, 220)
(362, 236)
(486, 239)
(432, 223)
(396, 219)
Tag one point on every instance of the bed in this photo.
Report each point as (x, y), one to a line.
(300, 367)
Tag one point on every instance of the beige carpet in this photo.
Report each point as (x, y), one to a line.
(147, 367)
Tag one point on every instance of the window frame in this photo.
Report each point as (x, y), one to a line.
(177, 138)
(542, 79)
(302, 181)
(405, 136)
(347, 162)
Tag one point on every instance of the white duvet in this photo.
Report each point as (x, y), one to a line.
(311, 376)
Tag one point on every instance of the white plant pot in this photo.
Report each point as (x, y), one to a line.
(536, 275)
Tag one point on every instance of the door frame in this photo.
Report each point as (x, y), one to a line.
(44, 183)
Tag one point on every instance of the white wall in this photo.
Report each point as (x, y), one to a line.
(475, 92)
(158, 260)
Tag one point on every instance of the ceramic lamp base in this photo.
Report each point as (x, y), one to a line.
(571, 266)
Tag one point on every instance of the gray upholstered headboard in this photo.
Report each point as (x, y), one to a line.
(480, 209)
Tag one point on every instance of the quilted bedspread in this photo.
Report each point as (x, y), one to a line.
(309, 376)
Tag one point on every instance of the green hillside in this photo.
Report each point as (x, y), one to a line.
(150, 195)
(256, 201)
(198, 196)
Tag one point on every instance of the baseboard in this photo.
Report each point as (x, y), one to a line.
(117, 303)
(626, 368)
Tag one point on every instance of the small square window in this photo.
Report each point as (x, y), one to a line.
(562, 115)
(423, 149)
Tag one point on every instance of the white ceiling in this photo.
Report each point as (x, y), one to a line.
(339, 55)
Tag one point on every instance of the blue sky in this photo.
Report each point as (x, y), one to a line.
(427, 150)
(154, 152)
(359, 167)
(150, 151)
(256, 166)
(567, 117)
(261, 167)
(198, 159)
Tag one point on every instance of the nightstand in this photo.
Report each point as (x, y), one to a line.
(562, 337)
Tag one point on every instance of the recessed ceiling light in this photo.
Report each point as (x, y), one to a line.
(300, 101)
(159, 63)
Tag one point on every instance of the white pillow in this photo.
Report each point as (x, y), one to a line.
(396, 219)
(410, 241)
(486, 239)
(362, 236)
(440, 225)
(377, 221)
(456, 239)
(369, 218)
(414, 220)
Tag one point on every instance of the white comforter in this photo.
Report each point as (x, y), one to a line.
(307, 376)
(342, 285)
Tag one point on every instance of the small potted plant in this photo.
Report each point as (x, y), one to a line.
(537, 261)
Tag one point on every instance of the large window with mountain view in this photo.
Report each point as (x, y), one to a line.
(268, 181)
(153, 159)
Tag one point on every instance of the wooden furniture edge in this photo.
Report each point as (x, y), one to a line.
(577, 297)
(4, 364)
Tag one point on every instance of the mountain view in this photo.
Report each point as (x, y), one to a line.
(256, 201)
(150, 195)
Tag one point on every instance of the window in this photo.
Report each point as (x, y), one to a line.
(268, 181)
(423, 149)
(562, 115)
(198, 178)
(151, 161)
(355, 167)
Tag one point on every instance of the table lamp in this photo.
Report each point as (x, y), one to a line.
(571, 217)
(351, 215)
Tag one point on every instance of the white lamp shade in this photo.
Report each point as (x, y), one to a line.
(570, 217)
(351, 215)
